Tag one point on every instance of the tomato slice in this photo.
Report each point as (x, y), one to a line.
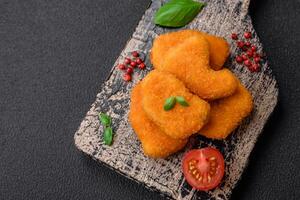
(203, 168)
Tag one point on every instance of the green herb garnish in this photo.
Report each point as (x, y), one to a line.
(181, 101)
(108, 136)
(177, 13)
(105, 119)
(169, 103)
(107, 133)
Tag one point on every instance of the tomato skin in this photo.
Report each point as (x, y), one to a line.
(206, 164)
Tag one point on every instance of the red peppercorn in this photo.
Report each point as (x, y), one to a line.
(254, 68)
(253, 48)
(248, 44)
(247, 35)
(234, 36)
(129, 70)
(251, 68)
(245, 57)
(127, 61)
(240, 44)
(127, 77)
(239, 59)
(121, 66)
(257, 59)
(139, 61)
(135, 54)
(247, 63)
(142, 66)
(250, 53)
(133, 64)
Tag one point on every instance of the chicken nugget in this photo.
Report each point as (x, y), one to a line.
(181, 121)
(189, 64)
(218, 51)
(155, 143)
(218, 47)
(226, 114)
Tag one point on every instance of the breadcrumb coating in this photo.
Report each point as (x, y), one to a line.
(226, 114)
(179, 122)
(218, 47)
(155, 142)
(190, 64)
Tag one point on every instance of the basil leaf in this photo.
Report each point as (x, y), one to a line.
(169, 103)
(108, 136)
(177, 13)
(105, 119)
(181, 101)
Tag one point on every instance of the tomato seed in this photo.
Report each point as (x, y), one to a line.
(208, 178)
(212, 158)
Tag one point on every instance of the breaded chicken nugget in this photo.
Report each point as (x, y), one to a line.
(226, 114)
(218, 51)
(155, 143)
(218, 47)
(179, 122)
(189, 64)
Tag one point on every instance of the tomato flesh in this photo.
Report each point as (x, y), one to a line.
(203, 168)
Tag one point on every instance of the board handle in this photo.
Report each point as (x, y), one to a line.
(245, 7)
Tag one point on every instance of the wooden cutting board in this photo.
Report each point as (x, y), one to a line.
(219, 17)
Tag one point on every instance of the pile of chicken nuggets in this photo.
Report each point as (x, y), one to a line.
(189, 64)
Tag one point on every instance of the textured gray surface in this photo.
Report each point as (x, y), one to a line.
(54, 55)
(220, 18)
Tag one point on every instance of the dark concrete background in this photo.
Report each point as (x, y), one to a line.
(54, 56)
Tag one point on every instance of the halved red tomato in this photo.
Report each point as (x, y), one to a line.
(203, 168)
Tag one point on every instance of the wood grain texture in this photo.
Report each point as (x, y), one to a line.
(220, 17)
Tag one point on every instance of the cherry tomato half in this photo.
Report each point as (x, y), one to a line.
(203, 168)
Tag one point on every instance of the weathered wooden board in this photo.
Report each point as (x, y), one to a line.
(220, 17)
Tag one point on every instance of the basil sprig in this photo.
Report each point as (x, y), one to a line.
(181, 101)
(177, 13)
(105, 119)
(171, 101)
(107, 133)
(108, 136)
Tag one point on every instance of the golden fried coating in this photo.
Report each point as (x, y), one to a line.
(179, 122)
(226, 114)
(218, 47)
(189, 64)
(155, 143)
